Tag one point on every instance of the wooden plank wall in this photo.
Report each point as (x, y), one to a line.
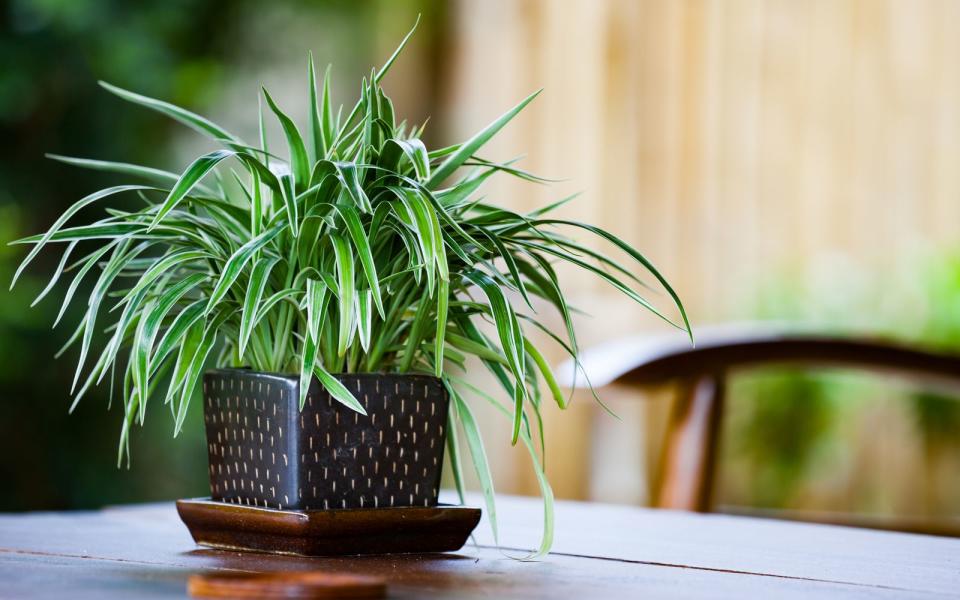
(725, 138)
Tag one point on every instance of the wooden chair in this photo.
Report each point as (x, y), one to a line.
(689, 457)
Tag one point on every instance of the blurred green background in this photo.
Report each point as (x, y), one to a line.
(813, 440)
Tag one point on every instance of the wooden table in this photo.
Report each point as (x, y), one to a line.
(601, 551)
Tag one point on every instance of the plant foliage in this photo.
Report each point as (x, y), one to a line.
(361, 251)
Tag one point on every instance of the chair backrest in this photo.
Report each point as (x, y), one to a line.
(722, 349)
(688, 462)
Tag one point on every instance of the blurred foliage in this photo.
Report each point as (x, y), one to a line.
(938, 416)
(787, 426)
(185, 51)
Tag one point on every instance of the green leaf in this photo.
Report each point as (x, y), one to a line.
(337, 390)
(299, 162)
(290, 202)
(421, 216)
(256, 205)
(393, 57)
(56, 274)
(546, 372)
(160, 268)
(148, 173)
(386, 122)
(512, 266)
(443, 299)
(467, 148)
(417, 153)
(414, 151)
(118, 260)
(479, 457)
(602, 274)
(316, 306)
(308, 360)
(191, 176)
(328, 128)
(263, 131)
(272, 301)
(479, 350)
(364, 317)
(362, 245)
(453, 449)
(147, 330)
(174, 334)
(508, 328)
(459, 193)
(50, 235)
(546, 491)
(511, 339)
(350, 179)
(317, 138)
(192, 375)
(636, 256)
(87, 232)
(251, 301)
(184, 116)
(346, 290)
(419, 325)
(380, 73)
(189, 344)
(549, 285)
(235, 264)
(88, 264)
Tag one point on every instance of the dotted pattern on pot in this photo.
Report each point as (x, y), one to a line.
(251, 449)
(264, 452)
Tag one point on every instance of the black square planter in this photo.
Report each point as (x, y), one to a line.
(265, 452)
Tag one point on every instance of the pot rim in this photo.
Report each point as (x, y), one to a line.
(296, 378)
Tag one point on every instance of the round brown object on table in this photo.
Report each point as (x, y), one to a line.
(288, 584)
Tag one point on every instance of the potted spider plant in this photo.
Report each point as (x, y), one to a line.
(322, 300)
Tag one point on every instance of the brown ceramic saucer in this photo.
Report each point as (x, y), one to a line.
(305, 584)
(335, 532)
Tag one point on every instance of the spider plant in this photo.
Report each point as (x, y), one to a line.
(358, 250)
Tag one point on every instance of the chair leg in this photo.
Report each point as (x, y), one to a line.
(690, 448)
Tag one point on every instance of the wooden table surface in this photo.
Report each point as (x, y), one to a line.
(601, 551)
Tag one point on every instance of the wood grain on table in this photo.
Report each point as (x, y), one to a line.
(600, 551)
